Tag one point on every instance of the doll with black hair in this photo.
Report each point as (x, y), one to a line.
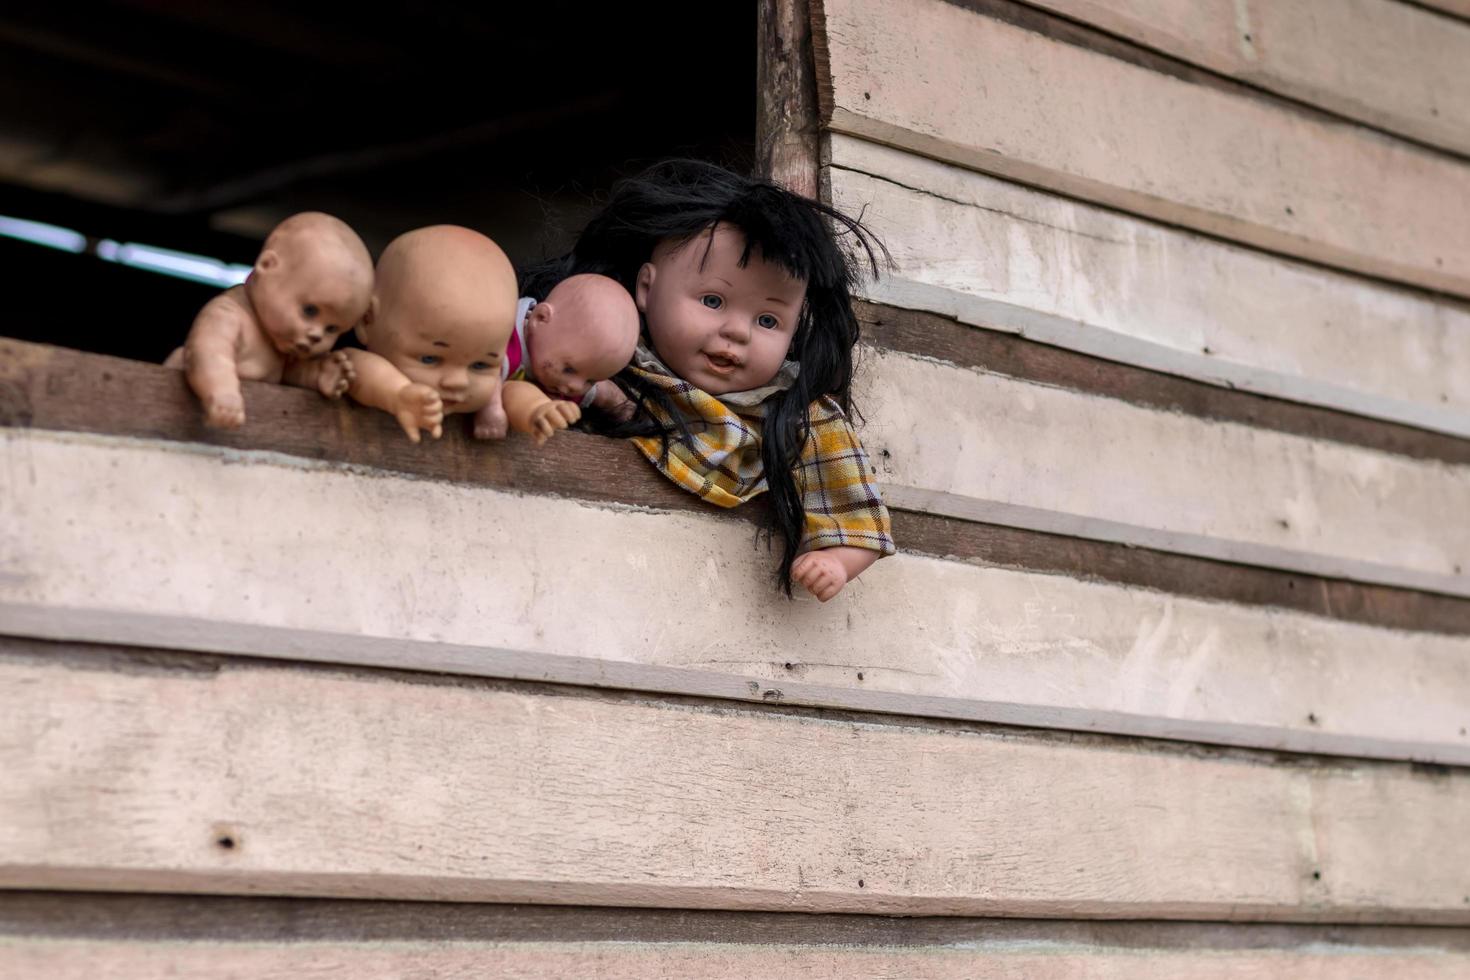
(742, 376)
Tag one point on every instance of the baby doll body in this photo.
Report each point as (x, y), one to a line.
(443, 307)
(725, 328)
(565, 348)
(310, 284)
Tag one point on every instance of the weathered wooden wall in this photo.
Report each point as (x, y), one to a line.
(1167, 390)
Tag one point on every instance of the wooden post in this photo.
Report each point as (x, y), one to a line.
(786, 113)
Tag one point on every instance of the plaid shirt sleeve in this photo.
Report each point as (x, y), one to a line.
(839, 492)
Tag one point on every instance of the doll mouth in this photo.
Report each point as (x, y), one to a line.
(722, 363)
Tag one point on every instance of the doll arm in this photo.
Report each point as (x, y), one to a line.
(529, 410)
(490, 420)
(331, 374)
(824, 573)
(378, 384)
(211, 363)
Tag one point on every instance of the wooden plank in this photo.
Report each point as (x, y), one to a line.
(1381, 62)
(786, 118)
(980, 447)
(945, 338)
(1004, 257)
(1121, 135)
(114, 540)
(144, 960)
(246, 778)
(216, 918)
(56, 389)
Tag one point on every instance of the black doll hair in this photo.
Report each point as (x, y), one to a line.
(680, 199)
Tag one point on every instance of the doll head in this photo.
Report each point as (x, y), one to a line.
(442, 310)
(311, 283)
(582, 333)
(719, 315)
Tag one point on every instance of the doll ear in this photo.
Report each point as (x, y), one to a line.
(368, 316)
(268, 261)
(541, 312)
(643, 285)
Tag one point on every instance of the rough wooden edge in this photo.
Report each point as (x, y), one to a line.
(938, 336)
(220, 919)
(786, 119)
(56, 389)
(40, 628)
(1454, 9)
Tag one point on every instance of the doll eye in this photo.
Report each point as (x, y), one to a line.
(481, 366)
(332, 328)
(430, 359)
(767, 321)
(309, 310)
(712, 301)
(568, 370)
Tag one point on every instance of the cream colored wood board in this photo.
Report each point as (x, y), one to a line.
(23, 959)
(106, 539)
(946, 82)
(1382, 62)
(246, 778)
(983, 447)
(1001, 256)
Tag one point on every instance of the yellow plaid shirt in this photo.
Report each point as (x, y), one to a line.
(723, 465)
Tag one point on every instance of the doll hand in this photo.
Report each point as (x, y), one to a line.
(490, 421)
(553, 415)
(416, 407)
(336, 374)
(822, 574)
(610, 399)
(225, 411)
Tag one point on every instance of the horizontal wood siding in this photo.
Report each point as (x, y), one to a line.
(177, 775)
(195, 548)
(1383, 62)
(936, 79)
(1004, 257)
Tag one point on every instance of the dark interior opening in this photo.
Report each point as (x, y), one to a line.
(197, 127)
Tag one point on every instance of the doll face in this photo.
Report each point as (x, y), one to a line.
(460, 359)
(718, 326)
(584, 332)
(304, 305)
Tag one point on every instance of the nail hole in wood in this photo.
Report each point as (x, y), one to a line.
(227, 842)
(860, 677)
(1312, 717)
(860, 883)
(1316, 876)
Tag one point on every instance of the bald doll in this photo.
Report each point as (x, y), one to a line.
(566, 346)
(443, 307)
(310, 285)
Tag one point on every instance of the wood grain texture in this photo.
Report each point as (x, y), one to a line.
(1380, 62)
(1127, 137)
(957, 442)
(199, 550)
(138, 960)
(249, 779)
(1001, 256)
(786, 120)
(50, 388)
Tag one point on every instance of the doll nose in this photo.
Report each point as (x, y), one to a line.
(455, 379)
(736, 329)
